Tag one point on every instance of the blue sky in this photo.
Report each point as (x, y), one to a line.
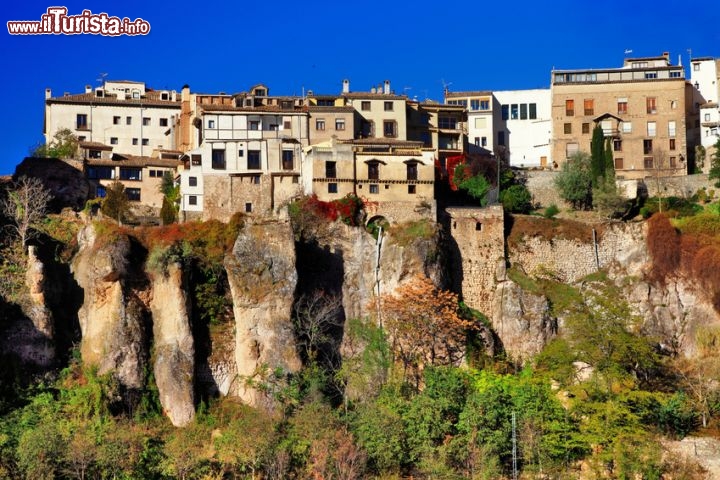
(291, 46)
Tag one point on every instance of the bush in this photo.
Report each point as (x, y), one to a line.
(516, 199)
(574, 182)
(664, 246)
(551, 211)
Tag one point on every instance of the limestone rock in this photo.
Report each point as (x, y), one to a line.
(522, 321)
(262, 276)
(111, 318)
(174, 347)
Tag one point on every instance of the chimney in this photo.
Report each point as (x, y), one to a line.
(48, 93)
(173, 95)
(372, 90)
(88, 88)
(346, 86)
(666, 55)
(386, 88)
(185, 94)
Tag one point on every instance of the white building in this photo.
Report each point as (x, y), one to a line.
(705, 77)
(125, 115)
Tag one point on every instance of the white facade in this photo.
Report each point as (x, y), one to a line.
(123, 115)
(704, 76)
(522, 123)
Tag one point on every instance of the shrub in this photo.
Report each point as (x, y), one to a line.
(516, 199)
(664, 246)
(551, 211)
(574, 182)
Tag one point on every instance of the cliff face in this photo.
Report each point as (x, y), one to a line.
(262, 276)
(112, 319)
(174, 351)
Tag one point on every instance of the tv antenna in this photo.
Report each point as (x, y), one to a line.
(101, 78)
(445, 85)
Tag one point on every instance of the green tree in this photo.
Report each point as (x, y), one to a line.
(597, 155)
(63, 145)
(246, 442)
(475, 185)
(116, 204)
(516, 199)
(715, 165)
(574, 182)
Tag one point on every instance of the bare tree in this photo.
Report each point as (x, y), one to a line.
(25, 205)
(317, 317)
(660, 168)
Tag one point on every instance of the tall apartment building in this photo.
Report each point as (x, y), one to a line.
(512, 123)
(645, 107)
(705, 77)
(248, 156)
(125, 115)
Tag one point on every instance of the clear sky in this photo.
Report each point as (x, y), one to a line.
(293, 46)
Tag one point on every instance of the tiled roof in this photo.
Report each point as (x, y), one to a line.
(383, 141)
(151, 99)
(469, 93)
(94, 145)
(316, 108)
(374, 96)
(261, 109)
(133, 161)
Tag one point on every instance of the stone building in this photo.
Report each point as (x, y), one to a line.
(644, 107)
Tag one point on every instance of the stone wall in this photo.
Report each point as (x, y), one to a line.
(569, 260)
(541, 185)
(478, 253)
(684, 186)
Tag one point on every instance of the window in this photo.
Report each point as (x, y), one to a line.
(651, 129)
(571, 149)
(163, 122)
(273, 127)
(192, 200)
(647, 146)
(533, 111)
(483, 142)
(94, 154)
(254, 125)
(128, 120)
(253, 160)
(146, 121)
(339, 124)
(617, 145)
(671, 128)
(113, 140)
(513, 111)
(368, 128)
(622, 106)
(248, 207)
(330, 170)
(627, 127)
(412, 189)
(374, 188)
(619, 164)
(651, 104)
(81, 121)
(412, 171)
(218, 160)
(127, 173)
(672, 162)
(82, 138)
(585, 128)
(100, 192)
(675, 74)
(133, 194)
(320, 124)
(485, 104)
(567, 128)
(589, 106)
(101, 173)
(477, 141)
(365, 105)
(523, 111)
(505, 111)
(648, 162)
(672, 144)
(447, 123)
(501, 138)
(145, 142)
(474, 104)
(116, 120)
(673, 104)
(288, 157)
(287, 125)
(569, 107)
(707, 117)
(134, 141)
(481, 122)
(696, 67)
(255, 179)
(192, 181)
(389, 128)
(373, 170)
(332, 188)
(650, 75)
(388, 106)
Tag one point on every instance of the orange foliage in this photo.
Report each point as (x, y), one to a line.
(663, 243)
(706, 269)
(424, 325)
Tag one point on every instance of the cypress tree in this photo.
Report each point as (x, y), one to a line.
(597, 155)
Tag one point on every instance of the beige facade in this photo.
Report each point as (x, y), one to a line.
(644, 109)
(124, 115)
(440, 127)
(395, 178)
(327, 122)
